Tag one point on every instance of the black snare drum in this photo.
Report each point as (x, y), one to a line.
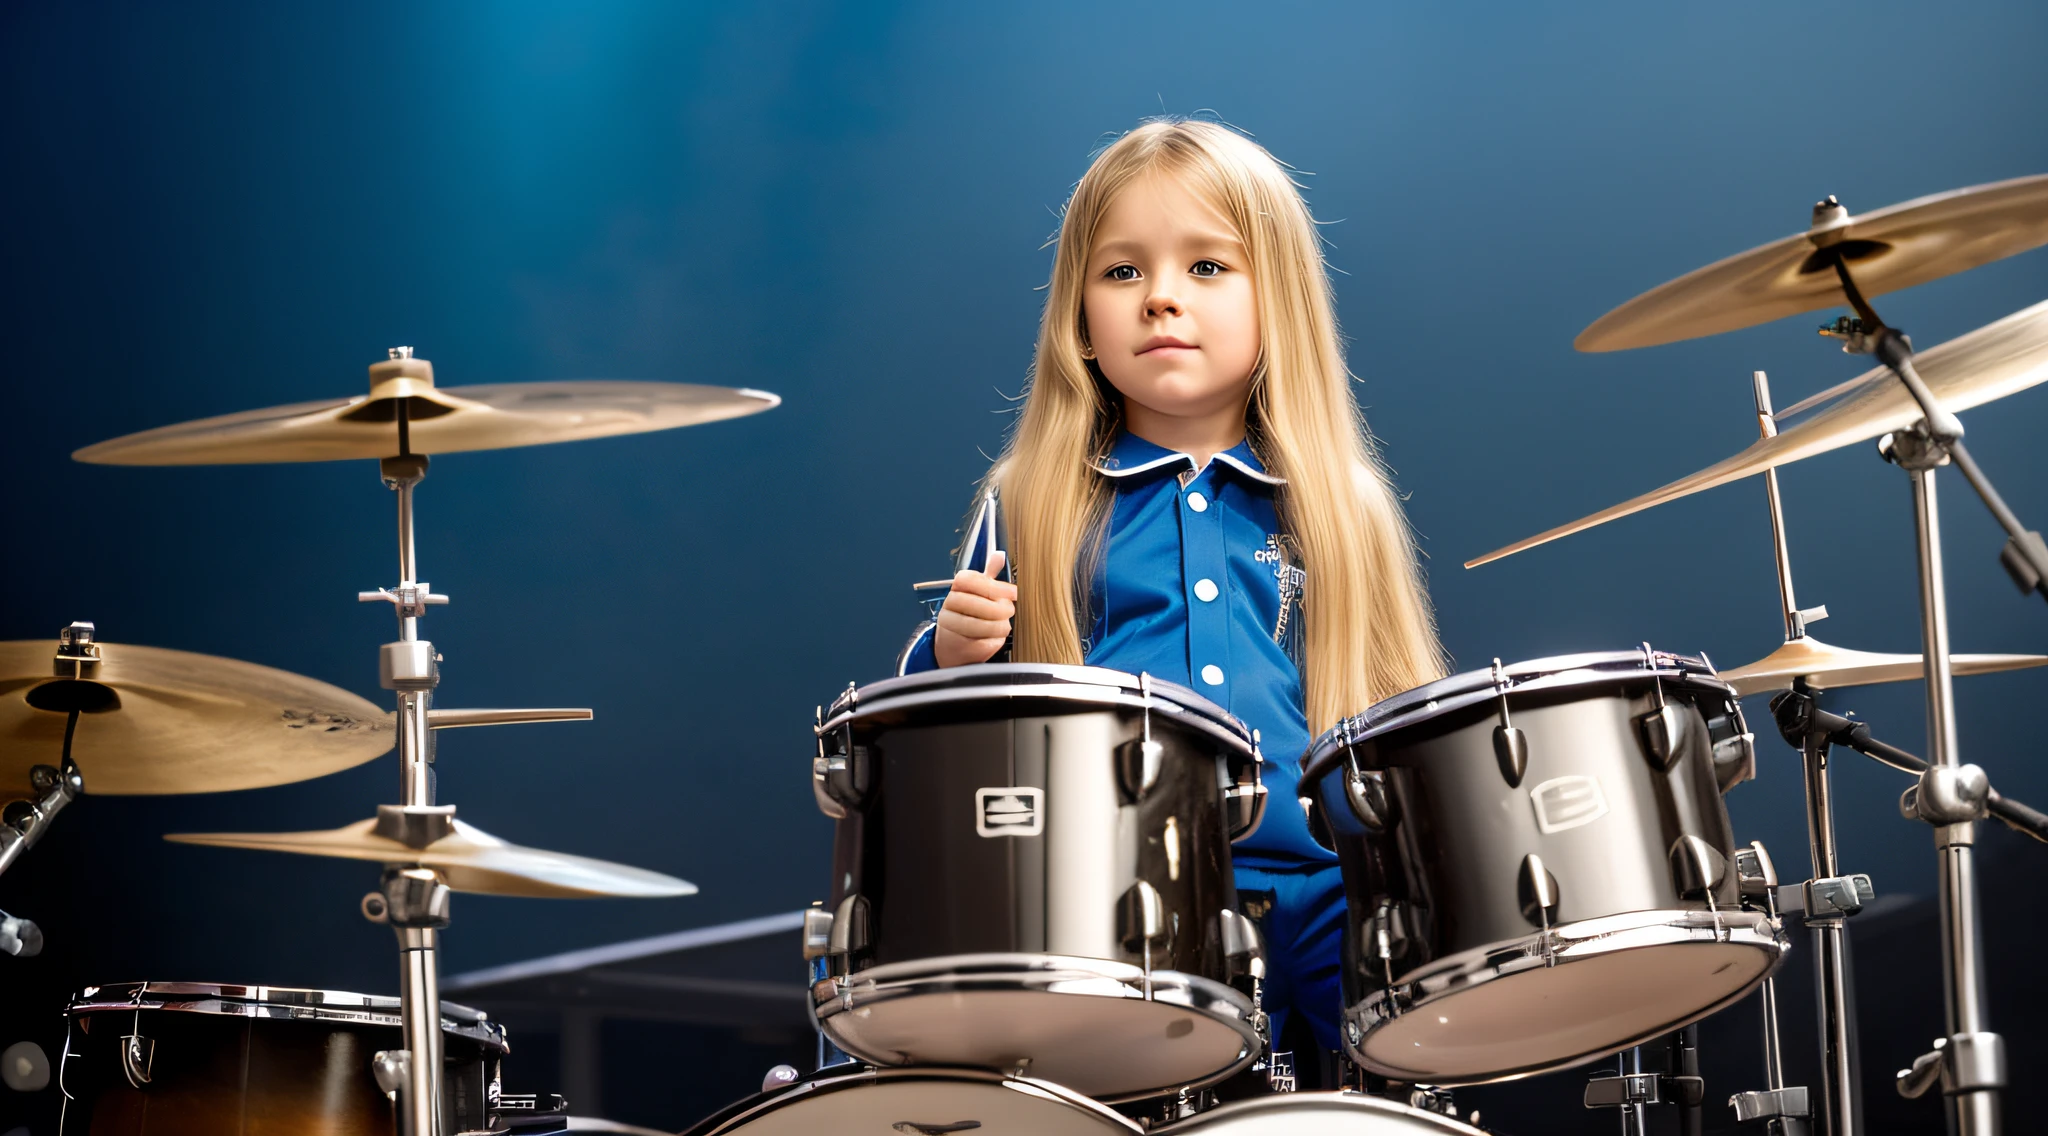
(1032, 874)
(1538, 864)
(201, 1059)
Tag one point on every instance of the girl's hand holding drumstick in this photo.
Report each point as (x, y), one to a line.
(974, 622)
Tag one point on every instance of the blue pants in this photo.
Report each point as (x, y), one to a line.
(1304, 937)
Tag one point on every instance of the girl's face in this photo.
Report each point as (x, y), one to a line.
(1171, 313)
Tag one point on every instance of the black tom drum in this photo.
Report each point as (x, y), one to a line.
(1538, 864)
(1032, 874)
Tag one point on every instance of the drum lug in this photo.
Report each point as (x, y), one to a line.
(1734, 761)
(1386, 933)
(1697, 868)
(1663, 733)
(817, 933)
(839, 779)
(1241, 944)
(1140, 916)
(1755, 876)
(1138, 763)
(1662, 729)
(1510, 744)
(393, 1070)
(1511, 749)
(1735, 753)
(1538, 892)
(1366, 791)
(1244, 806)
(138, 1053)
(849, 930)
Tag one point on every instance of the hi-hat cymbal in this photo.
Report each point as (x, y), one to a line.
(1827, 667)
(155, 721)
(1892, 248)
(1982, 366)
(466, 858)
(438, 420)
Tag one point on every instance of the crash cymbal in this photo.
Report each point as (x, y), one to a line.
(1827, 667)
(466, 858)
(1982, 366)
(1892, 248)
(157, 721)
(438, 420)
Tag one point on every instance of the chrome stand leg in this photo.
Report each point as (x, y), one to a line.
(416, 906)
(1973, 1107)
(1835, 1112)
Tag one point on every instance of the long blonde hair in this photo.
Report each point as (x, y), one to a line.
(1369, 629)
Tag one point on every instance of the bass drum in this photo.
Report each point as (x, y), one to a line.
(1032, 874)
(1538, 864)
(1318, 1114)
(890, 1102)
(201, 1059)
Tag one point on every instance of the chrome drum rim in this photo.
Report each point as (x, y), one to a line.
(844, 1004)
(1430, 987)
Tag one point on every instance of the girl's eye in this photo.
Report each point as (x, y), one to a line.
(1206, 268)
(1122, 272)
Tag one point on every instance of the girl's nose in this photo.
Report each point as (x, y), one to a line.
(1162, 304)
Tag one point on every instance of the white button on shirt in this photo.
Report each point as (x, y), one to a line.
(1198, 503)
(1205, 590)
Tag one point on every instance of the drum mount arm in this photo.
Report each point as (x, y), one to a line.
(1940, 792)
(23, 822)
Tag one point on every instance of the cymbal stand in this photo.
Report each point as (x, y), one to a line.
(1829, 897)
(23, 821)
(1970, 1061)
(411, 899)
(2025, 555)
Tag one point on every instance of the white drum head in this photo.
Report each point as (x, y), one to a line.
(890, 1102)
(1546, 1018)
(1318, 1114)
(1109, 1048)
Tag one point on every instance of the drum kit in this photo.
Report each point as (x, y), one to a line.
(1032, 925)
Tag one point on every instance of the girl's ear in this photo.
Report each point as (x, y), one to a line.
(1081, 329)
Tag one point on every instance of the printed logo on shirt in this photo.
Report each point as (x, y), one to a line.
(1009, 811)
(1291, 579)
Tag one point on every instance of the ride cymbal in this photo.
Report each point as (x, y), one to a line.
(153, 721)
(1893, 248)
(1828, 667)
(467, 858)
(1979, 367)
(437, 420)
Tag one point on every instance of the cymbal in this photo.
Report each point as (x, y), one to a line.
(1970, 370)
(467, 858)
(1887, 250)
(1827, 667)
(439, 420)
(157, 721)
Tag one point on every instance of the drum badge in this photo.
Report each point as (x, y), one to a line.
(1567, 802)
(1010, 811)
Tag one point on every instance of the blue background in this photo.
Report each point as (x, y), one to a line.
(215, 207)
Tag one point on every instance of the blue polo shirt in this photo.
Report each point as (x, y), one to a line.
(1198, 585)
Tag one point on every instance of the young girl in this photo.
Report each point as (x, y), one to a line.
(1190, 491)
